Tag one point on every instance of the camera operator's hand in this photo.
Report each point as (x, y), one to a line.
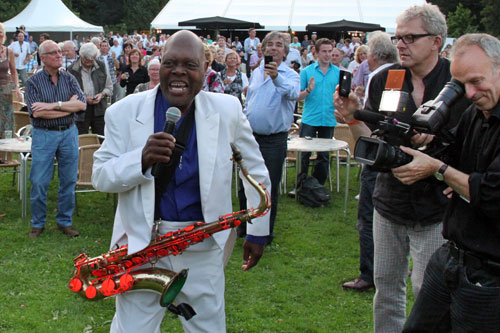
(421, 139)
(346, 105)
(422, 166)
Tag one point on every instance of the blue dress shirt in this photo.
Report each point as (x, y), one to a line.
(270, 103)
(181, 201)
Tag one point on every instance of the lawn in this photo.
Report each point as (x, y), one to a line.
(295, 288)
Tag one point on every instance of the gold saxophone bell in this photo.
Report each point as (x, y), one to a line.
(117, 271)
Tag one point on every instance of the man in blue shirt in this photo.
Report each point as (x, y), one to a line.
(271, 98)
(317, 84)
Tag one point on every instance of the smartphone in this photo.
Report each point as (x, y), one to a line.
(268, 59)
(345, 83)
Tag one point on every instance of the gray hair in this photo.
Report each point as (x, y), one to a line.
(96, 40)
(2, 29)
(273, 35)
(381, 48)
(489, 44)
(153, 62)
(89, 51)
(41, 49)
(433, 21)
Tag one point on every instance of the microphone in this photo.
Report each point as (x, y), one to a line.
(173, 115)
(368, 116)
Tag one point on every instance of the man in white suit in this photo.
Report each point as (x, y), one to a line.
(199, 190)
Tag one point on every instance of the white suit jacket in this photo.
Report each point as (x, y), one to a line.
(117, 164)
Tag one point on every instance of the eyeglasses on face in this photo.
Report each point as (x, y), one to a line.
(53, 53)
(409, 39)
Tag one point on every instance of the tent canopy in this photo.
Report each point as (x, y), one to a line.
(49, 15)
(344, 25)
(282, 14)
(219, 22)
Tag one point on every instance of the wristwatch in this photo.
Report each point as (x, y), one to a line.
(440, 174)
(59, 105)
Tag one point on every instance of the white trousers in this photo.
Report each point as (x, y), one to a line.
(140, 311)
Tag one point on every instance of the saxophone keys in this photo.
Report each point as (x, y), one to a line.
(126, 282)
(75, 285)
(90, 292)
(108, 287)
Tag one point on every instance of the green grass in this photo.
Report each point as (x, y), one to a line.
(295, 288)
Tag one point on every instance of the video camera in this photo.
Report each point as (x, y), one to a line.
(383, 153)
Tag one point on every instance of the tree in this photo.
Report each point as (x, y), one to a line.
(461, 21)
(489, 16)
(10, 8)
(450, 6)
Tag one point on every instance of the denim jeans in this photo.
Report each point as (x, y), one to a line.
(45, 146)
(456, 298)
(273, 149)
(321, 167)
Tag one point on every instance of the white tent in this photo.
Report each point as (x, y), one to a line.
(281, 14)
(49, 16)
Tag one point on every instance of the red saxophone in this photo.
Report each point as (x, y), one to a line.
(116, 272)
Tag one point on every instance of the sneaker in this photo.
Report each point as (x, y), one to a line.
(358, 284)
(70, 231)
(35, 232)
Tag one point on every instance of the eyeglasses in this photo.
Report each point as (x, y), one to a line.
(53, 53)
(408, 39)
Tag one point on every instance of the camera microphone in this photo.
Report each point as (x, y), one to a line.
(369, 116)
(173, 115)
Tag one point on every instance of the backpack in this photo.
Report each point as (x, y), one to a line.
(311, 193)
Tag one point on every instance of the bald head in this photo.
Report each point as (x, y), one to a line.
(186, 39)
(183, 68)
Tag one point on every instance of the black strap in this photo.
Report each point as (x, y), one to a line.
(167, 170)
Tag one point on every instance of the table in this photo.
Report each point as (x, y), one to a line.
(23, 148)
(299, 145)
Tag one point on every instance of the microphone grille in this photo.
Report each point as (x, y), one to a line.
(173, 114)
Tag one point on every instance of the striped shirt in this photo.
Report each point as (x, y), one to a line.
(40, 88)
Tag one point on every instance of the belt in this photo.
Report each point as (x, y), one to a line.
(270, 135)
(58, 128)
(470, 259)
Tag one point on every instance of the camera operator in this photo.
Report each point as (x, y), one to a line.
(464, 274)
(407, 218)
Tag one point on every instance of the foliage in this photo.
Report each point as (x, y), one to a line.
(489, 16)
(295, 288)
(461, 21)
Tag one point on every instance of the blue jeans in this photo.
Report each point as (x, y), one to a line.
(45, 146)
(456, 298)
(321, 167)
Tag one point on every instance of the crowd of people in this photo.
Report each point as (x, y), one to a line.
(439, 210)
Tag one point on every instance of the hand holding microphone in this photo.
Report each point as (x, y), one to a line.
(160, 146)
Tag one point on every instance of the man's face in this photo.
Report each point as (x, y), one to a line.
(182, 70)
(336, 57)
(221, 42)
(275, 47)
(104, 48)
(325, 54)
(475, 70)
(421, 50)
(252, 33)
(20, 37)
(52, 56)
(66, 51)
(87, 63)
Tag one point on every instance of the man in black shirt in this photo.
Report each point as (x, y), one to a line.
(462, 280)
(407, 218)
